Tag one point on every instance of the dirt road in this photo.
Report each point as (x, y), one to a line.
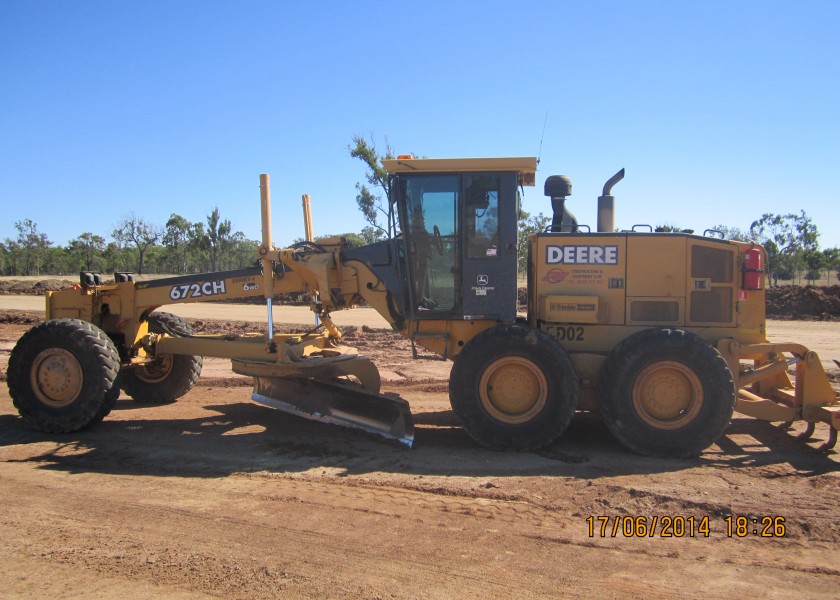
(214, 496)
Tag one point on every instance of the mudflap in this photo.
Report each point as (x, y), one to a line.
(317, 389)
(337, 403)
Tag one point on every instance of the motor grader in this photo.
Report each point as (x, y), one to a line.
(662, 333)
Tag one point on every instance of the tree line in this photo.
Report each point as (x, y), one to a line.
(135, 244)
(182, 246)
(791, 244)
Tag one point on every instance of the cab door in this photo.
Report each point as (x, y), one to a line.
(460, 241)
(490, 211)
(429, 214)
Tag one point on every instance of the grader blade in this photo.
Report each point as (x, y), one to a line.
(339, 404)
(318, 389)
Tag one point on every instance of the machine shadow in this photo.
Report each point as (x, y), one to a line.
(248, 438)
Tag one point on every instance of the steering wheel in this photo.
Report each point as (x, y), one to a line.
(437, 240)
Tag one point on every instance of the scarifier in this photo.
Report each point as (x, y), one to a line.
(662, 333)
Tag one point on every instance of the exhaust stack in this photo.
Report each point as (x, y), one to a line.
(606, 205)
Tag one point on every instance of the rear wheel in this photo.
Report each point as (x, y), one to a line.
(62, 375)
(666, 392)
(513, 387)
(169, 376)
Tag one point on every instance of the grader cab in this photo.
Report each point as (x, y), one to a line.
(662, 333)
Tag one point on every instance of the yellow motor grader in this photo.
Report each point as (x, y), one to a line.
(662, 333)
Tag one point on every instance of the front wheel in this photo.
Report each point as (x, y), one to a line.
(666, 392)
(169, 376)
(513, 387)
(62, 375)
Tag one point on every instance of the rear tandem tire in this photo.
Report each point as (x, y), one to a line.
(170, 376)
(62, 375)
(513, 387)
(666, 392)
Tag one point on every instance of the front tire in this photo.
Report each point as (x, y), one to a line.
(169, 376)
(62, 375)
(513, 387)
(666, 392)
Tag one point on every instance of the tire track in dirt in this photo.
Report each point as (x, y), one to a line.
(215, 497)
(171, 535)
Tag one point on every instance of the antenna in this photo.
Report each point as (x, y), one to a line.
(539, 153)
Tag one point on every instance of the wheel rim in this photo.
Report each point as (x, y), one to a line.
(513, 389)
(56, 377)
(667, 395)
(156, 371)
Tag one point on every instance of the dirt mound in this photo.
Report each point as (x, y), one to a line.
(21, 317)
(51, 285)
(33, 287)
(795, 302)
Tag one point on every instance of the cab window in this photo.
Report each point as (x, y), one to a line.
(481, 220)
(431, 230)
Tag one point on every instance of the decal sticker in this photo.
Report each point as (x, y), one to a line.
(250, 286)
(482, 280)
(574, 307)
(587, 277)
(569, 333)
(556, 276)
(196, 290)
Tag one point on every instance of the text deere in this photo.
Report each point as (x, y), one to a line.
(582, 255)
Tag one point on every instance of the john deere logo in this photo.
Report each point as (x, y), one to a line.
(556, 275)
(482, 280)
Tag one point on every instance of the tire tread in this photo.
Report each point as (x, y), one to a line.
(100, 364)
(637, 351)
(542, 350)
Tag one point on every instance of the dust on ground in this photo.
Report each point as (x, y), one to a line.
(217, 497)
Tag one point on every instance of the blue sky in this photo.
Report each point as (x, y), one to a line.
(719, 111)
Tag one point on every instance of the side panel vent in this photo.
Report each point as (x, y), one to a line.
(713, 306)
(654, 311)
(716, 264)
(712, 287)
